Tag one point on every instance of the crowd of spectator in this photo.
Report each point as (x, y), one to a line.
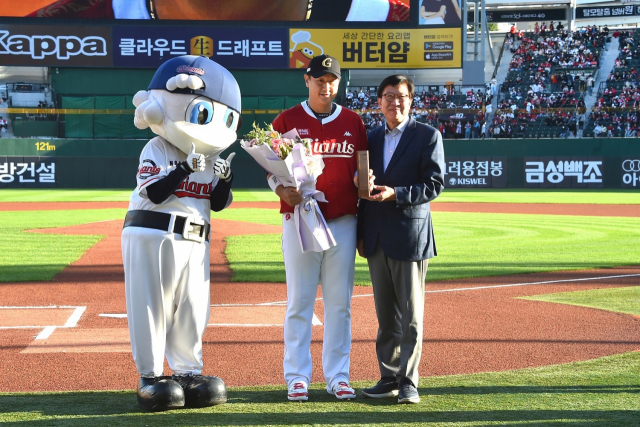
(560, 123)
(426, 106)
(614, 124)
(540, 61)
(613, 113)
(543, 94)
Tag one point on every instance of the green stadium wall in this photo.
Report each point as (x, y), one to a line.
(267, 91)
(112, 163)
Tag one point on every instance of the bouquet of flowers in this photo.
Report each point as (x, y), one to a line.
(290, 159)
(280, 145)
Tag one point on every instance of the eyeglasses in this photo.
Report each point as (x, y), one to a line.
(390, 97)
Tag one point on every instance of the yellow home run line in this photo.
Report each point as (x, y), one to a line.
(99, 111)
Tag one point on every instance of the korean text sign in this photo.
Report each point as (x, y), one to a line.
(234, 48)
(378, 48)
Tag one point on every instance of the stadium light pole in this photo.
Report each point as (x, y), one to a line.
(473, 70)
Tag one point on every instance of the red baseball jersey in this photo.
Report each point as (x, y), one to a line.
(338, 139)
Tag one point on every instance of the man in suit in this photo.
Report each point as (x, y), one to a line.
(395, 234)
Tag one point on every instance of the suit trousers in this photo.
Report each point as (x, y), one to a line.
(398, 290)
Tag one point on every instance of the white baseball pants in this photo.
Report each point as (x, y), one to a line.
(167, 293)
(334, 269)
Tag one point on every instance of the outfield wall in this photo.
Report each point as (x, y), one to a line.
(490, 163)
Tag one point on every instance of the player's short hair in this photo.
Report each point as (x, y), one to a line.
(396, 80)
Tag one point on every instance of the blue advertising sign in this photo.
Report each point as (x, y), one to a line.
(233, 48)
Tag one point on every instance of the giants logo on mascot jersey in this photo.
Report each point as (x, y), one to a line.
(330, 148)
(148, 169)
(194, 189)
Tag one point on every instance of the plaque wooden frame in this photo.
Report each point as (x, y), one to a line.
(363, 173)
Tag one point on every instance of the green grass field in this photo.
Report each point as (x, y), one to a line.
(602, 392)
(619, 300)
(469, 244)
(598, 196)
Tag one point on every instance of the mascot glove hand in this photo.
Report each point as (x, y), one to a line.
(222, 167)
(195, 162)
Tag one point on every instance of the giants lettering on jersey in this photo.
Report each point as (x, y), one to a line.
(331, 148)
(148, 169)
(194, 189)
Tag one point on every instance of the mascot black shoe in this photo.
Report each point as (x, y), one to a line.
(202, 390)
(160, 394)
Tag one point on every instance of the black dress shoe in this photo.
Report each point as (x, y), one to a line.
(159, 394)
(201, 391)
(386, 387)
(407, 392)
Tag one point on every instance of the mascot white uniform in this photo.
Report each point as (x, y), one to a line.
(193, 105)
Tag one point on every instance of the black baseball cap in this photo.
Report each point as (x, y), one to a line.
(323, 64)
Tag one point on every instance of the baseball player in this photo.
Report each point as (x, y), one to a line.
(193, 106)
(337, 134)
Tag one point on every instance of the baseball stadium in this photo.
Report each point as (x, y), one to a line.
(109, 184)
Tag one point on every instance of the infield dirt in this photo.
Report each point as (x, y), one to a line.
(471, 325)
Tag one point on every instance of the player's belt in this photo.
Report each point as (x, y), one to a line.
(189, 227)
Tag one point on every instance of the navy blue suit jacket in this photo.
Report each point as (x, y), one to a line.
(416, 172)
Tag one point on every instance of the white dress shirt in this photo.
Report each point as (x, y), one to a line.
(391, 140)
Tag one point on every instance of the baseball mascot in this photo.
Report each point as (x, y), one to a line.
(193, 105)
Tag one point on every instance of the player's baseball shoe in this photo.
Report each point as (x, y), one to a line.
(201, 390)
(298, 392)
(407, 392)
(159, 394)
(343, 391)
(386, 387)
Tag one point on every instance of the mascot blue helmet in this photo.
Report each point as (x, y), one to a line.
(191, 100)
(219, 84)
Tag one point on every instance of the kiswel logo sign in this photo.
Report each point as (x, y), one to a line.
(630, 173)
(474, 172)
(48, 45)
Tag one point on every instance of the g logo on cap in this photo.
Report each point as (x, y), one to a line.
(326, 62)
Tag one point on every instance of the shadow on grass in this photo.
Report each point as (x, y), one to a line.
(268, 407)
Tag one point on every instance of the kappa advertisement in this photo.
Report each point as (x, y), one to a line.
(234, 47)
(52, 46)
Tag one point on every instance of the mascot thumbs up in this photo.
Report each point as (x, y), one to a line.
(193, 106)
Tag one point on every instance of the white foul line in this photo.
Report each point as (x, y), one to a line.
(72, 321)
(316, 320)
(518, 284)
(248, 325)
(46, 332)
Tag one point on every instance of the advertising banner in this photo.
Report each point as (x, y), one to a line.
(630, 172)
(55, 45)
(563, 172)
(607, 11)
(475, 172)
(27, 171)
(520, 15)
(234, 48)
(465, 117)
(378, 48)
